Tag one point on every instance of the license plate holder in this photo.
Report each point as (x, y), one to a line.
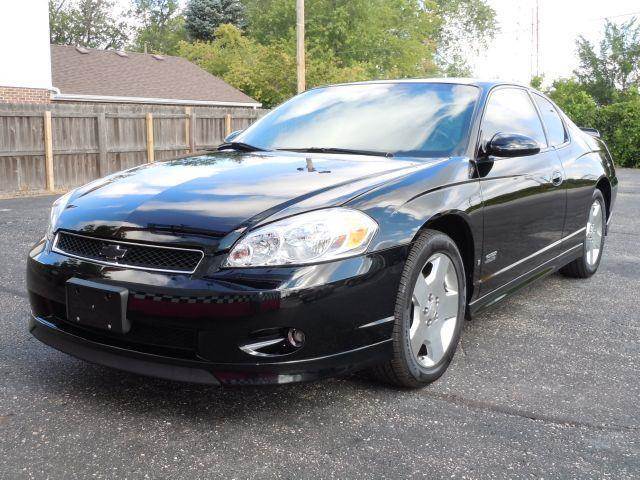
(97, 305)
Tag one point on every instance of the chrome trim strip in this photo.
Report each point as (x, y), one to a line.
(520, 276)
(55, 248)
(324, 357)
(533, 255)
(252, 348)
(378, 322)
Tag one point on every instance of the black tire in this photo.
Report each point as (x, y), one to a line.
(580, 268)
(403, 369)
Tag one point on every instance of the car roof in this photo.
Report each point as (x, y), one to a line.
(482, 83)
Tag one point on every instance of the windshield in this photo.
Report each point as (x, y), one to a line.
(403, 119)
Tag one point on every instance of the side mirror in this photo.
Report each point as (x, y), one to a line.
(512, 145)
(229, 138)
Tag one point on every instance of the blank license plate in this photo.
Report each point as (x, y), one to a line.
(97, 305)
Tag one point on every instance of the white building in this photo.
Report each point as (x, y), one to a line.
(25, 59)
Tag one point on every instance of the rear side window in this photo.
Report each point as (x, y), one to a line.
(553, 122)
(510, 110)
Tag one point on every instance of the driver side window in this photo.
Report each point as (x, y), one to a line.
(510, 110)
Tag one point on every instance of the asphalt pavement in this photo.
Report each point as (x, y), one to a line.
(546, 384)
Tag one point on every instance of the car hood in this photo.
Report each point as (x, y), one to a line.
(215, 194)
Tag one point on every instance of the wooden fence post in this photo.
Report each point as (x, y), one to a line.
(48, 152)
(227, 124)
(103, 161)
(150, 152)
(192, 131)
(187, 128)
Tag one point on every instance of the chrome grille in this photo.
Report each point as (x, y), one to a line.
(130, 255)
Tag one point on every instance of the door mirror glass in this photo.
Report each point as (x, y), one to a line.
(512, 145)
(232, 136)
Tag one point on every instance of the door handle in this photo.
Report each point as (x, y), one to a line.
(557, 178)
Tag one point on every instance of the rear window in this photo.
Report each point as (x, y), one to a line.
(555, 128)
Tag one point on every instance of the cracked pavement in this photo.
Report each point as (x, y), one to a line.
(546, 384)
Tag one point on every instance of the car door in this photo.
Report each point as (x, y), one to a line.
(524, 201)
(578, 187)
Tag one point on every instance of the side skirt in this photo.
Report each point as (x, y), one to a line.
(547, 268)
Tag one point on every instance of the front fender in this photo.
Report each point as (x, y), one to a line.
(404, 206)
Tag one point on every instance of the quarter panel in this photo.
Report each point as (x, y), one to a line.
(582, 172)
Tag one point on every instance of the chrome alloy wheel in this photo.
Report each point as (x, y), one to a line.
(434, 310)
(593, 244)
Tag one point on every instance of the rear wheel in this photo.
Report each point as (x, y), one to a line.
(429, 313)
(588, 263)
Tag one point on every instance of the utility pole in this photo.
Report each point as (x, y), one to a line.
(302, 84)
(532, 46)
(537, 37)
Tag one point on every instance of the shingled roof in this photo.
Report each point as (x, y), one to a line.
(109, 76)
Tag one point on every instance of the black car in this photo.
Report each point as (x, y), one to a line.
(355, 226)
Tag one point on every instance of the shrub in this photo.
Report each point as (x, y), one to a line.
(620, 127)
(619, 122)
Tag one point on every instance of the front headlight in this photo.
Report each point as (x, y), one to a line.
(56, 209)
(306, 238)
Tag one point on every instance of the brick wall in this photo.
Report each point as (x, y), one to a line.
(24, 95)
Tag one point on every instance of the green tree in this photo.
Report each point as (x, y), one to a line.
(620, 126)
(613, 67)
(575, 101)
(60, 22)
(537, 81)
(203, 17)
(385, 37)
(242, 62)
(346, 40)
(618, 122)
(161, 27)
(87, 23)
(466, 28)
(393, 38)
(604, 93)
(265, 72)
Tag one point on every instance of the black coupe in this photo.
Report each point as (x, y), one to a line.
(355, 226)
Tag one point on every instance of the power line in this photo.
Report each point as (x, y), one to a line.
(584, 20)
(616, 16)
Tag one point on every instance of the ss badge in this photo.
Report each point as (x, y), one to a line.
(491, 257)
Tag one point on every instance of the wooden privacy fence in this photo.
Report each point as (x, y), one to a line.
(60, 146)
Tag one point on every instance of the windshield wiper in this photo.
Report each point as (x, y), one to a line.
(241, 146)
(349, 151)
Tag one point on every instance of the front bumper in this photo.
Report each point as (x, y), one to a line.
(190, 328)
(195, 371)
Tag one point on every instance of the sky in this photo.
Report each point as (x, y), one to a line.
(511, 56)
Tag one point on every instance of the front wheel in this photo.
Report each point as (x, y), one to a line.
(588, 263)
(429, 313)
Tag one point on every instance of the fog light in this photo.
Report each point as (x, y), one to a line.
(295, 337)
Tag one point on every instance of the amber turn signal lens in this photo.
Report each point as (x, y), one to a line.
(356, 237)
